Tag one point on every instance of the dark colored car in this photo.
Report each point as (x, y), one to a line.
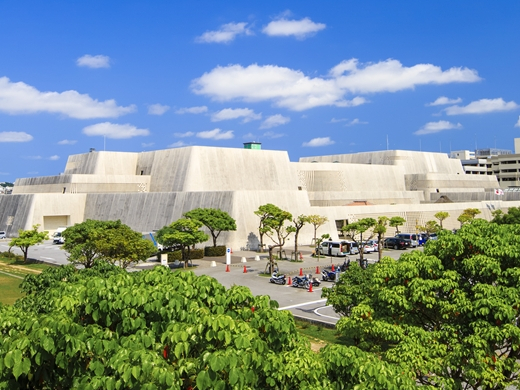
(397, 243)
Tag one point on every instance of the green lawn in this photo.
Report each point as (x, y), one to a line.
(12, 272)
(319, 334)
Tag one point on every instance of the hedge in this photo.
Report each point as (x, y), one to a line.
(215, 251)
(194, 254)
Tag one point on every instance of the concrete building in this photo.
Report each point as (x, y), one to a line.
(149, 190)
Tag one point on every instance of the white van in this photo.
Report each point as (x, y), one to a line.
(335, 248)
(2, 234)
(57, 237)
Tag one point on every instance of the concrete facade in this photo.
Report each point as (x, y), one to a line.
(152, 189)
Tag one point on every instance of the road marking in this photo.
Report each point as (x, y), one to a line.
(302, 304)
(323, 315)
(46, 258)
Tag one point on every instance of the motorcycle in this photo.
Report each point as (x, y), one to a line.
(346, 264)
(328, 275)
(305, 281)
(277, 279)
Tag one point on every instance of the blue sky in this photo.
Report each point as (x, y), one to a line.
(312, 78)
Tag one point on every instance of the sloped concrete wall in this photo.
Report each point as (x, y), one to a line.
(198, 168)
(15, 213)
(102, 163)
(411, 161)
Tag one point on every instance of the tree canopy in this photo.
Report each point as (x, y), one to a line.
(441, 216)
(111, 241)
(104, 328)
(468, 215)
(396, 222)
(28, 238)
(316, 221)
(182, 233)
(360, 227)
(217, 221)
(449, 313)
(512, 216)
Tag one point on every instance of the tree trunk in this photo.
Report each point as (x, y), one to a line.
(296, 246)
(25, 252)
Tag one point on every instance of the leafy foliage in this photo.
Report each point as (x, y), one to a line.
(441, 216)
(316, 221)
(103, 328)
(360, 227)
(379, 229)
(449, 313)
(298, 224)
(467, 215)
(111, 241)
(396, 222)
(28, 238)
(217, 221)
(511, 217)
(182, 233)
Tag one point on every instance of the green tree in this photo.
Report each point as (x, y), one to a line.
(430, 227)
(111, 241)
(28, 238)
(449, 313)
(316, 221)
(379, 229)
(273, 226)
(396, 222)
(441, 216)
(103, 328)
(298, 223)
(182, 233)
(216, 220)
(123, 246)
(511, 217)
(264, 212)
(468, 215)
(360, 227)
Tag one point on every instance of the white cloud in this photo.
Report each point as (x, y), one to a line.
(20, 98)
(354, 122)
(294, 90)
(234, 113)
(157, 109)
(518, 123)
(334, 120)
(15, 136)
(482, 106)
(98, 61)
(192, 110)
(54, 158)
(177, 144)
(184, 135)
(273, 135)
(435, 127)
(114, 131)
(225, 34)
(33, 157)
(275, 120)
(315, 142)
(216, 134)
(301, 29)
(67, 142)
(443, 100)
(147, 144)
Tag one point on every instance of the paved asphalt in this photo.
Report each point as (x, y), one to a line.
(300, 302)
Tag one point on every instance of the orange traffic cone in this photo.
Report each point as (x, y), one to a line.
(227, 267)
(245, 269)
(301, 272)
(317, 270)
(289, 282)
(310, 287)
(333, 268)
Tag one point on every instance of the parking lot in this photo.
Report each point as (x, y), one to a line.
(300, 302)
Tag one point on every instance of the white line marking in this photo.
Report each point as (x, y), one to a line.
(302, 304)
(46, 258)
(323, 315)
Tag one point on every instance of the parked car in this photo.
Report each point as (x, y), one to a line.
(2, 234)
(396, 243)
(414, 238)
(371, 246)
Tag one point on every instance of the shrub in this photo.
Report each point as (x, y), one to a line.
(177, 255)
(215, 251)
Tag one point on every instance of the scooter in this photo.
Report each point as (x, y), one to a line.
(346, 264)
(305, 281)
(277, 279)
